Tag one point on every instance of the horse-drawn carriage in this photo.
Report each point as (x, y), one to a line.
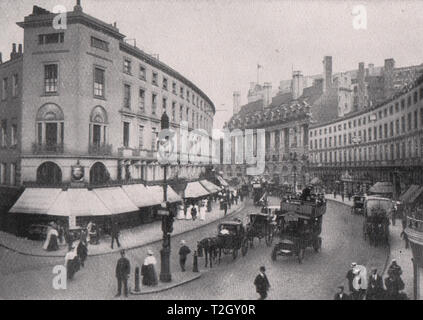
(262, 225)
(376, 220)
(299, 226)
(358, 204)
(231, 238)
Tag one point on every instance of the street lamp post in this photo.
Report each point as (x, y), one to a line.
(167, 219)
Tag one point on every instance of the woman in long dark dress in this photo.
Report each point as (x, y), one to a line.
(148, 270)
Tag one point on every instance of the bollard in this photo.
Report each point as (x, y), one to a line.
(195, 263)
(137, 279)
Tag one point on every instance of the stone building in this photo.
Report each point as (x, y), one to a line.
(381, 143)
(82, 106)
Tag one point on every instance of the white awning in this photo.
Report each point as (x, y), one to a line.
(116, 200)
(211, 187)
(140, 195)
(195, 190)
(36, 200)
(78, 202)
(222, 181)
(157, 191)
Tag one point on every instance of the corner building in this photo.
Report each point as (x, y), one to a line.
(82, 96)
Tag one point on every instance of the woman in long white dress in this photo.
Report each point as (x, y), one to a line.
(51, 242)
(203, 210)
(188, 215)
(181, 213)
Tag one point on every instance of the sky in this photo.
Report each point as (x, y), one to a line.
(217, 44)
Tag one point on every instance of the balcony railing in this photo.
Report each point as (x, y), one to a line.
(100, 149)
(47, 148)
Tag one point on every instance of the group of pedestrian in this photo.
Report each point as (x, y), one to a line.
(148, 269)
(372, 288)
(194, 209)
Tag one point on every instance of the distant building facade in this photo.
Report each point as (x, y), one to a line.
(381, 143)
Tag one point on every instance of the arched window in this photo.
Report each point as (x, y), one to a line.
(49, 173)
(99, 173)
(50, 128)
(98, 127)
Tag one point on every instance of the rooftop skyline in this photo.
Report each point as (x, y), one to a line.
(200, 39)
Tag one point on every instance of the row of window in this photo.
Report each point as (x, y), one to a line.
(5, 87)
(397, 151)
(12, 174)
(183, 93)
(397, 107)
(387, 130)
(193, 118)
(196, 120)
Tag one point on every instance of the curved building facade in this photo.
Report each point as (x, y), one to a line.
(88, 99)
(384, 143)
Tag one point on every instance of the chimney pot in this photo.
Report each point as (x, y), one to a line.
(20, 48)
(14, 48)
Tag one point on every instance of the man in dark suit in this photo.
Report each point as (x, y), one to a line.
(262, 283)
(375, 287)
(123, 269)
(341, 295)
(114, 232)
(183, 252)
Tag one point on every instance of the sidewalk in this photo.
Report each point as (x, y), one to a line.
(396, 248)
(129, 239)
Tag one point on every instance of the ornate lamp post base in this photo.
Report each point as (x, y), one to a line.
(165, 275)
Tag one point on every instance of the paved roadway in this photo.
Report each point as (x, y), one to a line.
(317, 278)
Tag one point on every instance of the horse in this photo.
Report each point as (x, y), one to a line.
(210, 246)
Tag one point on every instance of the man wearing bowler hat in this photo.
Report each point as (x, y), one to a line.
(262, 283)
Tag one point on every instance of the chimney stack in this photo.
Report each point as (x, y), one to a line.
(237, 100)
(361, 88)
(388, 78)
(78, 6)
(1, 58)
(13, 53)
(20, 49)
(327, 73)
(297, 84)
(267, 94)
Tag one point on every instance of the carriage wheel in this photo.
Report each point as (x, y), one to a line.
(244, 248)
(301, 255)
(234, 253)
(274, 253)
